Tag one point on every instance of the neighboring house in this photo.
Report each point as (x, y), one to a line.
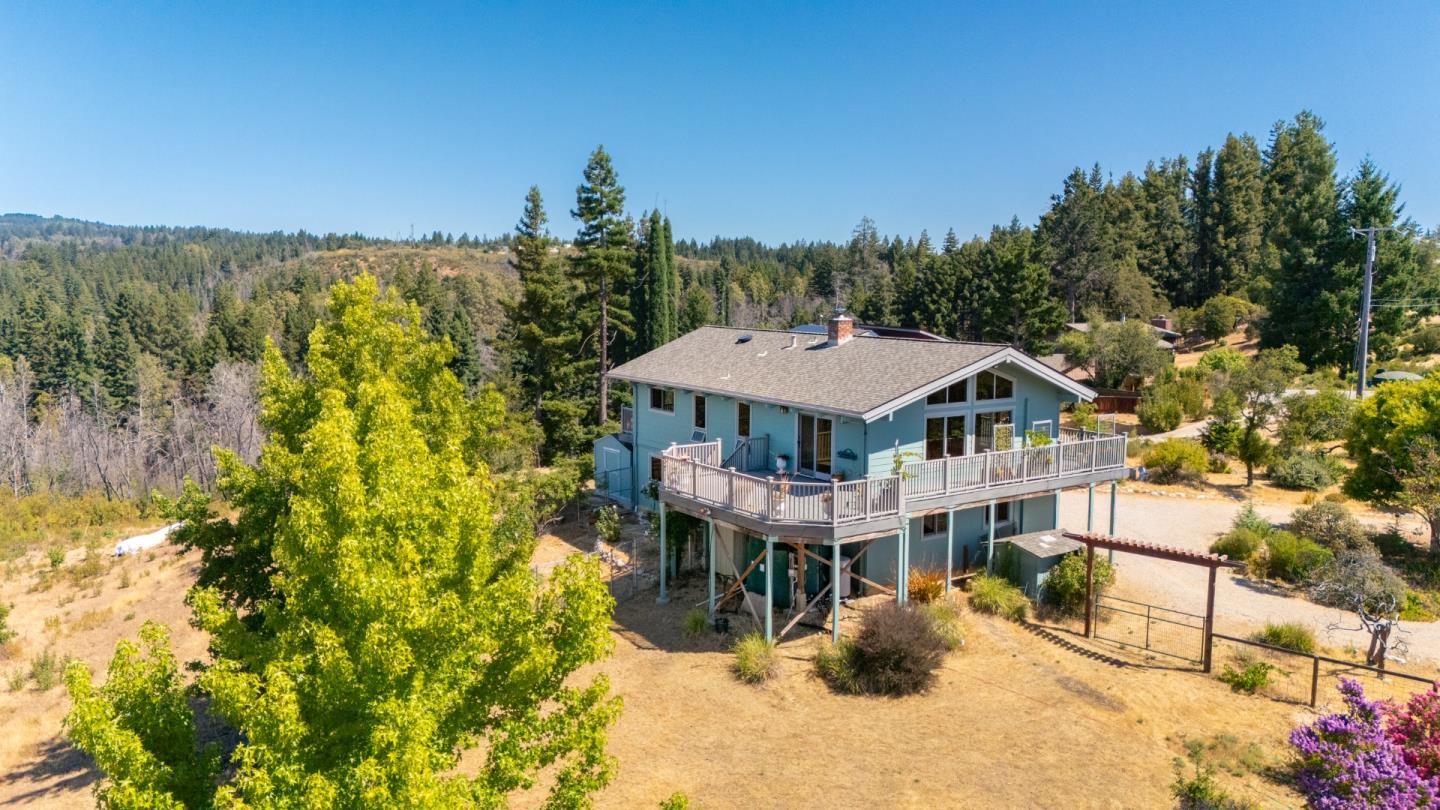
(1165, 337)
(846, 452)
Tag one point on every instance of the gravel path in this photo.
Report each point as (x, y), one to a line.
(1241, 604)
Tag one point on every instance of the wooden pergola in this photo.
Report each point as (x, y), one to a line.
(1213, 562)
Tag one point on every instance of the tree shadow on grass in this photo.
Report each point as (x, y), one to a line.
(59, 768)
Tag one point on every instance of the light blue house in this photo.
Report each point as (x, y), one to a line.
(868, 456)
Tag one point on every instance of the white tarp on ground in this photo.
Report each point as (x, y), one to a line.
(137, 544)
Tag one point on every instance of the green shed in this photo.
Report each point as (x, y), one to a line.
(1032, 555)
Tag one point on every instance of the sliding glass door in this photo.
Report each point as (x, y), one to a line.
(816, 437)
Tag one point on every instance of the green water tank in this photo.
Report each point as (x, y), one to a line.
(779, 576)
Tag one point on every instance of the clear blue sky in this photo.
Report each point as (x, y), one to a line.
(779, 123)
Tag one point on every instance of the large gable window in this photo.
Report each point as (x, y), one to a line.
(951, 394)
(989, 385)
(662, 399)
(944, 436)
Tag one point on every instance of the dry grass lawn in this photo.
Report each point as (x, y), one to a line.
(1020, 717)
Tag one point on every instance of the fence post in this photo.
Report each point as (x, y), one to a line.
(1209, 621)
(1147, 626)
(1314, 679)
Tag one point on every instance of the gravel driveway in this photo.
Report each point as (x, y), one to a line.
(1241, 604)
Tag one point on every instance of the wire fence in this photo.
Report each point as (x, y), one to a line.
(1151, 628)
(1313, 679)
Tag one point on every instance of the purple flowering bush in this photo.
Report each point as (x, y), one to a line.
(1349, 761)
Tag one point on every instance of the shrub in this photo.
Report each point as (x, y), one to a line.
(1160, 412)
(1329, 524)
(1222, 359)
(1290, 635)
(46, 669)
(1223, 431)
(694, 622)
(1217, 464)
(1238, 544)
(1248, 518)
(944, 616)
(1425, 340)
(676, 801)
(607, 524)
(1293, 559)
(1303, 471)
(1065, 586)
(1250, 678)
(1415, 727)
(1347, 760)
(896, 651)
(1082, 415)
(756, 660)
(5, 632)
(998, 597)
(1176, 460)
(925, 586)
(1200, 791)
(835, 664)
(56, 557)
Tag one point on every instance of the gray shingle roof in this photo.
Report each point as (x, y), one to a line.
(853, 378)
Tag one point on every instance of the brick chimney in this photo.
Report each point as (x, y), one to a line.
(840, 327)
(1162, 322)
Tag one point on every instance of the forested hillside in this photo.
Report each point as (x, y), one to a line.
(125, 352)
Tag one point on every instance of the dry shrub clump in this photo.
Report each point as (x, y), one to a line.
(756, 660)
(925, 585)
(998, 597)
(895, 653)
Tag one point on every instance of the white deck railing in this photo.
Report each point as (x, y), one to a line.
(692, 471)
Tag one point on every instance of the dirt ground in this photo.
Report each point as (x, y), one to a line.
(82, 611)
(1021, 717)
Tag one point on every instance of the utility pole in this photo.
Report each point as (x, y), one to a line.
(1363, 349)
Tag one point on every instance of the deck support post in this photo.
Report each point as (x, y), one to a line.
(949, 548)
(710, 585)
(835, 573)
(664, 597)
(1114, 492)
(1090, 508)
(990, 539)
(769, 588)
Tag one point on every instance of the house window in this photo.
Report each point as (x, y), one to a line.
(1002, 513)
(654, 468)
(989, 385)
(938, 524)
(944, 436)
(1044, 427)
(954, 393)
(742, 419)
(662, 399)
(699, 411)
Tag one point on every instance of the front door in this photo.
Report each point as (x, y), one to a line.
(816, 434)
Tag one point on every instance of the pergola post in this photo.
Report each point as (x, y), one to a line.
(902, 565)
(949, 548)
(710, 585)
(1209, 619)
(1090, 509)
(1055, 513)
(834, 593)
(664, 597)
(769, 588)
(990, 540)
(1089, 590)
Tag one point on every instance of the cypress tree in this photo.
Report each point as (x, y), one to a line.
(1239, 214)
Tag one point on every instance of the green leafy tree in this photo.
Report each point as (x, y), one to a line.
(394, 621)
(603, 268)
(1127, 350)
(1222, 433)
(1257, 389)
(1392, 440)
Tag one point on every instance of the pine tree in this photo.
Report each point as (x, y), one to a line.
(1164, 252)
(1239, 215)
(1370, 199)
(1307, 302)
(543, 341)
(1020, 310)
(603, 267)
(1074, 232)
(1201, 219)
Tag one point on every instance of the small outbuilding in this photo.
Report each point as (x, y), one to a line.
(1032, 555)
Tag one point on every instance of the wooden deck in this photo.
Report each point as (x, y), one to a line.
(691, 476)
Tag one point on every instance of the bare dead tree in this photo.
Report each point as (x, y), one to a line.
(1359, 582)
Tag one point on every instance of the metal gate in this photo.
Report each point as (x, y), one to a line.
(1151, 628)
